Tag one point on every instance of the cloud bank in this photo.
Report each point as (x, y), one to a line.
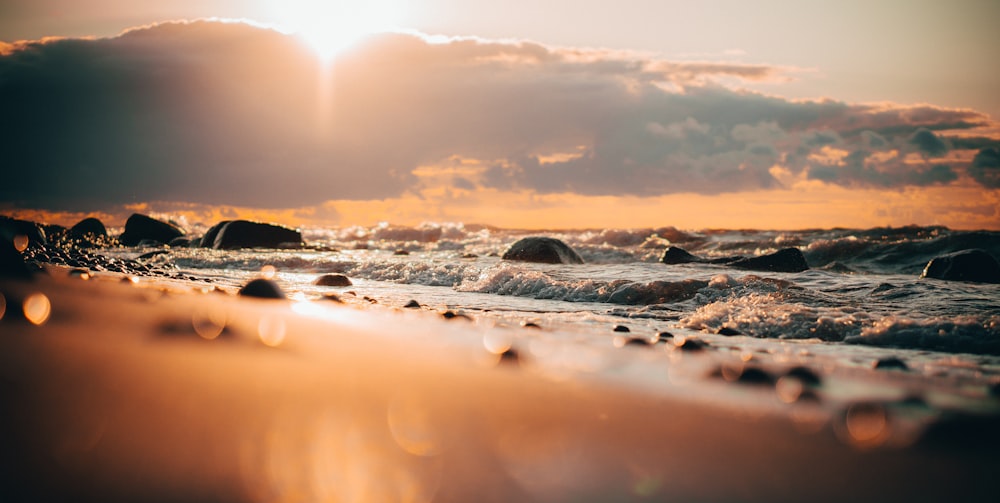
(228, 113)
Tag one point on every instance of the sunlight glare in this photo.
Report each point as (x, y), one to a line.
(330, 26)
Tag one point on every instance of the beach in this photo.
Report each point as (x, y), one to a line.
(157, 390)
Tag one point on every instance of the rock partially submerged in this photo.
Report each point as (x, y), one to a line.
(973, 265)
(542, 250)
(237, 234)
(139, 228)
(88, 228)
(784, 260)
(332, 280)
(262, 289)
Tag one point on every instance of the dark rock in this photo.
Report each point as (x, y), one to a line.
(510, 357)
(967, 265)
(530, 324)
(754, 375)
(180, 242)
(333, 280)
(401, 252)
(663, 336)
(413, 305)
(208, 240)
(88, 229)
(674, 255)
(784, 260)
(139, 228)
(451, 315)
(890, 363)
(620, 328)
(12, 227)
(805, 375)
(622, 341)
(244, 234)
(11, 261)
(690, 344)
(262, 288)
(728, 331)
(542, 250)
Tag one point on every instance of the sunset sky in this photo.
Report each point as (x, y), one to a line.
(583, 113)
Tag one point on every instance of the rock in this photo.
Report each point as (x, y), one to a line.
(413, 304)
(620, 328)
(208, 240)
(333, 280)
(784, 260)
(674, 255)
(263, 289)
(11, 227)
(181, 242)
(88, 229)
(805, 375)
(246, 234)
(890, 362)
(11, 261)
(542, 250)
(973, 265)
(140, 228)
(727, 331)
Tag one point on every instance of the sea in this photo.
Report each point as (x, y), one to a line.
(863, 287)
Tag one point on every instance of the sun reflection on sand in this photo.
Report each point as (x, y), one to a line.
(271, 330)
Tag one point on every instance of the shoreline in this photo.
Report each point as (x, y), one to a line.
(117, 397)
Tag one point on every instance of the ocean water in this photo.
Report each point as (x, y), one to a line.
(863, 286)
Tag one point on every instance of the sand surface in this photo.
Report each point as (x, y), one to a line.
(154, 391)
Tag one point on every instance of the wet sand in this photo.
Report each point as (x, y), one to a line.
(155, 391)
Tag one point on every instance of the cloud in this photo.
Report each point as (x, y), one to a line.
(985, 167)
(228, 113)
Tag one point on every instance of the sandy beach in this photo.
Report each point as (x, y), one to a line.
(118, 390)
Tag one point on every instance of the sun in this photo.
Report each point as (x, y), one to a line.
(330, 26)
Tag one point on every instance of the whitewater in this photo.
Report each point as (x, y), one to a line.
(863, 287)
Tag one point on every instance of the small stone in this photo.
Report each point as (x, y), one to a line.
(663, 336)
(754, 375)
(622, 341)
(804, 374)
(450, 315)
(413, 305)
(728, 331)
(890, 363)
(263, 289)
(333, 280)
(510, 357)
(690, 344)
(621, 328)
(530, 324)
(401, 252)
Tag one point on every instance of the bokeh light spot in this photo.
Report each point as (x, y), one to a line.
(20, 242)
(271, 330)
(268, 272)
(37, 308)
(208, 323)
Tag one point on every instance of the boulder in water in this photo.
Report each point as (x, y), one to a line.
(784, 260)
(674, 255)
(542, 250)
(973, 265)
(139, 228)
(245, 234)
(208, 240)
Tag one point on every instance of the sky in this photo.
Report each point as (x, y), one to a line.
(770, 114)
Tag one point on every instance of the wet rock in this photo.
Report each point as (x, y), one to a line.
(89, 229)
(181, 242)
(139, 228)
(973, 265)
(333, 280)
(784, 260)
(674, 255)
(531, 324)
(401, 252)
(728, 331)
(413, 305)
(245, 234)
(890, 363)
(663, 336)
(542, 250)
(622, 341)
(754, 375)
(263, 289)
(208, 239)
(620, 328)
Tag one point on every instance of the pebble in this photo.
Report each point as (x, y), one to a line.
(690, 344)
(413, 304)
(663, 336)
(890, 363)
(804, 374)
(728, 331)
(450, 315)
(621, 328)
(333, 280)
(263, 289)
(530, 324)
